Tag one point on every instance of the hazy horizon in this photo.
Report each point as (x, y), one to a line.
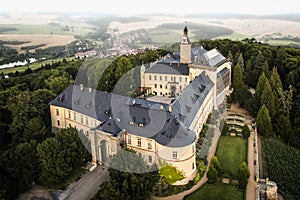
(137, 7)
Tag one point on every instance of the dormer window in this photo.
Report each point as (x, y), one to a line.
(141, 125)
(106, 112)
(131, 123)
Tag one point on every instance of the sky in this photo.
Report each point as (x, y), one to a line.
(138, 7)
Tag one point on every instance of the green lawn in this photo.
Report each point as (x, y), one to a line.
(32, 66)
(217, 191)
(231, 152)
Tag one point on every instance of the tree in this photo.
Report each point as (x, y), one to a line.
(212, 174)
(275, 80)
(60, 154)
(285, 100)
(260, 87)
(267, 98)
(243, 175)
(240, 89)
(224, 128)
(35, 130)
(123, 65)
(246, 131)
(263, 121)
(130, 178)
(58, 84)
(266, 69)
(241, 61)
(283, 128)
(23, 167)
(215, 162)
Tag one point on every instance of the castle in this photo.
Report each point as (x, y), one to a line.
(194, 82)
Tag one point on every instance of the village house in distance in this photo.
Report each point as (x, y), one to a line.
(184, 88)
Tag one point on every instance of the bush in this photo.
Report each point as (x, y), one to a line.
(245, 131)
(212, 174)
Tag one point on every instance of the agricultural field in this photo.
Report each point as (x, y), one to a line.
(281, 164)
(217, 191)
(66, 28)
(32, 66)
(231, 152)
(47, 40)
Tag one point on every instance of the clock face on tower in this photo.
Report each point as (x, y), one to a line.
(184, 40)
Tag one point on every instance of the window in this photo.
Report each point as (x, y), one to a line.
(193, 148)
(58, 123)
(81, 119)
(129, 139)
(86, 121)
(155, 78)
(69, 114)
(57, 112)
(86, 133)
(166, 78)
(160, 85)
(160, 78)
(155, 85)
(150, 77)
(174, 154)
(180, 87)
(171, 78)
(180, 79)
(149, 145)
(160, 93)
(74, 116)
(186, 80)
(139, 142)
(174, 79)
(193, 166)
(166, 86)
(150, 159)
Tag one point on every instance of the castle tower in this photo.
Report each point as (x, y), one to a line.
(185, 48)
(142, 72)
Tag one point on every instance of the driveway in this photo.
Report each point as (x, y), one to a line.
(87, 186)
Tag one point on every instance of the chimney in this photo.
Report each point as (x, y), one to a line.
(90, 90)
(161, 107)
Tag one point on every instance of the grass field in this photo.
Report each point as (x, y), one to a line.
(231, 152)
(216, 192)
(234, 36)
(32, 66)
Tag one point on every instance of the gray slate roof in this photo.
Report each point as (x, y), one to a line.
(139, 117)
(188, 103)
(169, 68)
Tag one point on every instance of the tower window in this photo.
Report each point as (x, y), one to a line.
(155, 78)
(69, 114)
(86, 121)
(186, 80)
(81, 119)
(180, 79)
(166, 78)
(174, 155)
(193, 165)
(155, 85)
(74, 116)
(58, 123)
(160, 85)
(166, 86)
(150, 77)
(160, 78)
(57, 112)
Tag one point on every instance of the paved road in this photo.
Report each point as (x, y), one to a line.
(251, 187)
(87, 186)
